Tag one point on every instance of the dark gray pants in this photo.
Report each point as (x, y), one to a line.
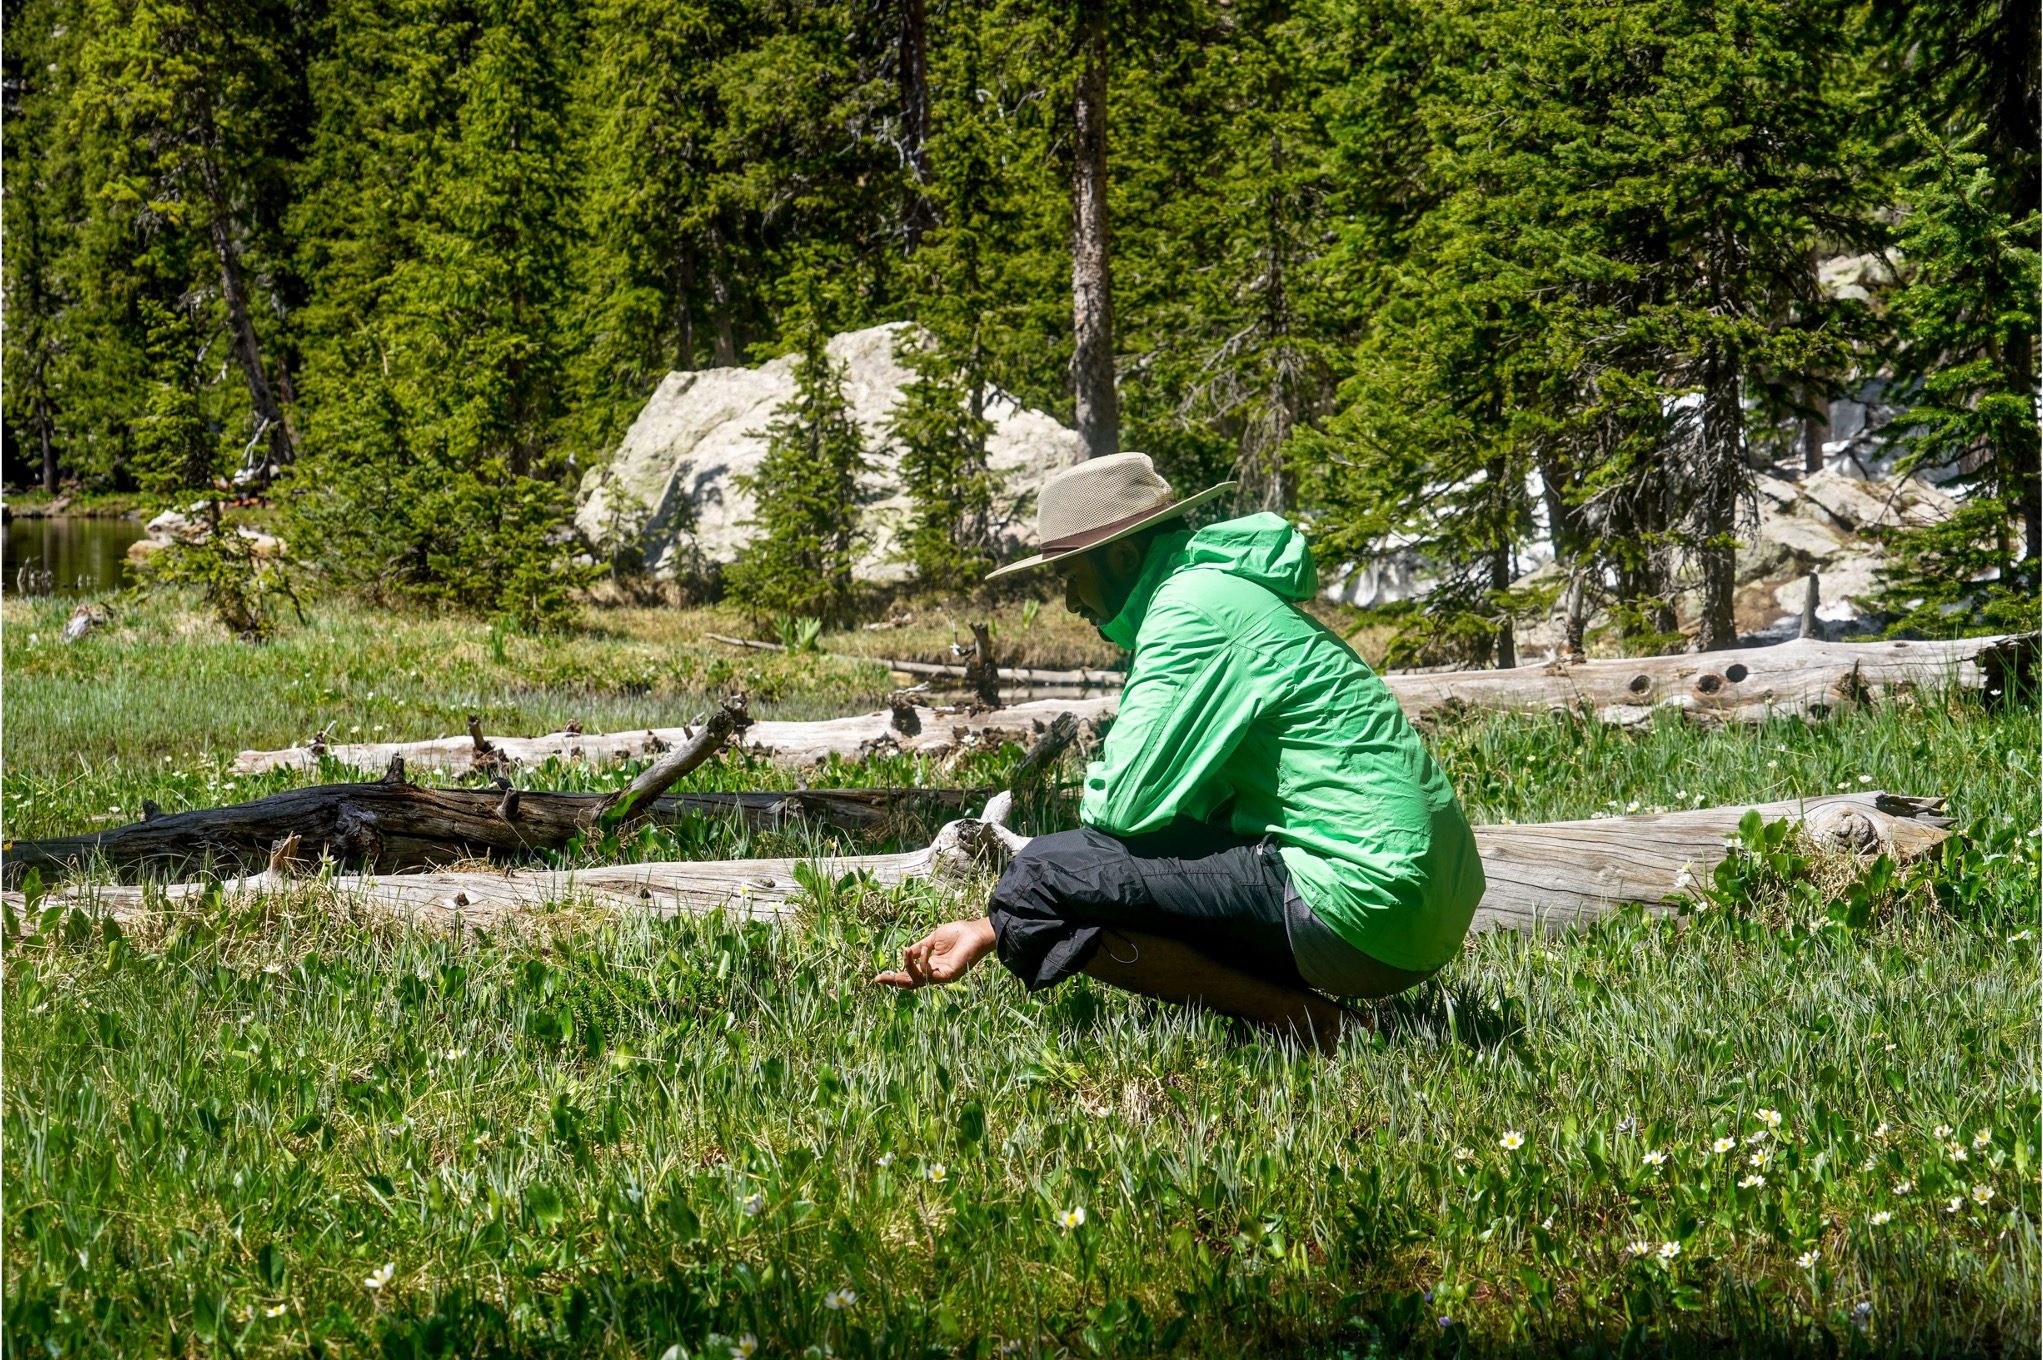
(1215, 891)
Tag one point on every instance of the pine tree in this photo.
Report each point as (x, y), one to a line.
(940, 429)
(1227, 160)
(433, 470)
(806, 492)
(198, 108)
(41, 199)
(1968, 319)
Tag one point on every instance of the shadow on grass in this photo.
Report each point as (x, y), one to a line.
(1451, 1012)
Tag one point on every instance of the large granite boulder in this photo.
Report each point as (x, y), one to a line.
(672, 493)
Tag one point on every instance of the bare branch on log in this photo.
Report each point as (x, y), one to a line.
(659, 776)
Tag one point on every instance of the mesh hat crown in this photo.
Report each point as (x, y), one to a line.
(1099, 500)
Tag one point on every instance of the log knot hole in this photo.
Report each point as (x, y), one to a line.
(1844, 828)
(1709, 683)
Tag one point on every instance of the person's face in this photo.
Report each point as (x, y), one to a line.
(1097, 584)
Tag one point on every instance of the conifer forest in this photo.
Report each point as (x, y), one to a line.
(1464, 277)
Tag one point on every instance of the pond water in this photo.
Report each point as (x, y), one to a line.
(67, 555)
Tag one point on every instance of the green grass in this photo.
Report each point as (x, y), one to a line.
(554, 1136)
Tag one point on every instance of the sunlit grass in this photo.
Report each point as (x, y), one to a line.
(620, 1137)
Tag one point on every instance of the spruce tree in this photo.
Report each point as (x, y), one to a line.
(1226, 171)
(806, 492)
(42, 209)
(199, 108)
(434, 471)
(940, 429)
(1969, 329)
(652, 281)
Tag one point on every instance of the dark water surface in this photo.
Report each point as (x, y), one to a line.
(67, 555)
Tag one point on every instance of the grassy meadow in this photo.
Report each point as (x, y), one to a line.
(294, 1129)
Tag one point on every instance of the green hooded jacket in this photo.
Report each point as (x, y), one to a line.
(1236, 693)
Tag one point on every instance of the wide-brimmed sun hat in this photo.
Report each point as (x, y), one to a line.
(1097, 501)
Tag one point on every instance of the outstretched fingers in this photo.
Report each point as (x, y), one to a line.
(914, 970)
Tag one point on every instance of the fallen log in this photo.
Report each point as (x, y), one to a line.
(1804, 678)
(918, 729)
(393, 825)
(1544, 876)
(1082, 678)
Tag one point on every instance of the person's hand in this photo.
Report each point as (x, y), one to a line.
(942, 956)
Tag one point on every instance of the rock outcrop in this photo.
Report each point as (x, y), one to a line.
(1827, 523)
(672, 492)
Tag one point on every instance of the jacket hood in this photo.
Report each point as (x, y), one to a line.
(1262, 548)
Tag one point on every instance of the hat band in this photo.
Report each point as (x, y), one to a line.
(1085, 538)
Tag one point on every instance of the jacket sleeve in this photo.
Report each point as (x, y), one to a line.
(1187, 705)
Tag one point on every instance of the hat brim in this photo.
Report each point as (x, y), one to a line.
(1051, 558)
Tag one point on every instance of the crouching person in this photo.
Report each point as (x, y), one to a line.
(1263, 827)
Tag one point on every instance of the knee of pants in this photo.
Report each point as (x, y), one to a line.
(1042, 879)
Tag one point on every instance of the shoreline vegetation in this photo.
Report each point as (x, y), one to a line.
(295, 1125)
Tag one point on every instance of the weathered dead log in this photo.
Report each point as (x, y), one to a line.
(1082, 678)
(1544, 876)
(932, 731)
(1804, 678)
(392, 825)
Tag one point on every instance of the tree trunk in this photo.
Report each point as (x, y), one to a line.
(724, 344)
(274, 432)
(684, 309)
(1266, 479)
(912, 62)
(1092, 293)
(46, 441)
(1540, 877)
(1500, 562)
(1719, 480)
(1815, 388)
